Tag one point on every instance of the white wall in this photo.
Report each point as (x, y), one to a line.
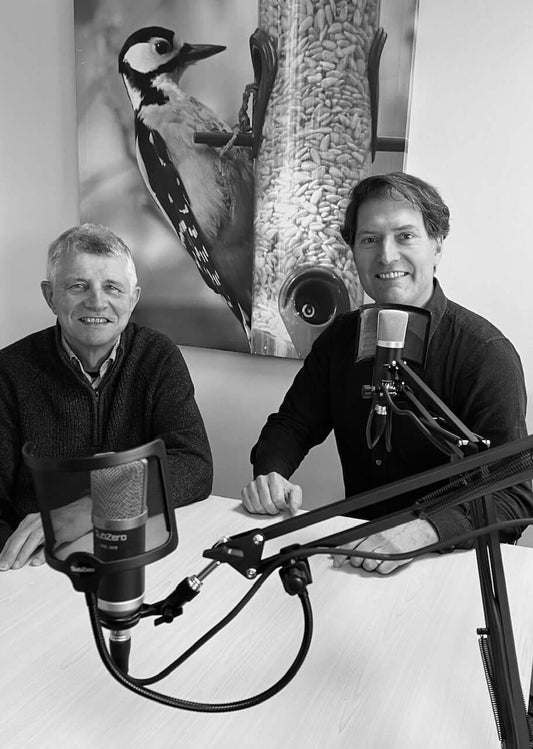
(471, 117)
(38, 163)
(471, 123)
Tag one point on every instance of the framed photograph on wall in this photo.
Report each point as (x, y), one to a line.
(221, 138)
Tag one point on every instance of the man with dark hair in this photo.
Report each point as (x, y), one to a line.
(399, 186)
(93, 383)
(395, 224)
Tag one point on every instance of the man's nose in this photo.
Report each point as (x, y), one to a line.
(96, 298)
(388, 251)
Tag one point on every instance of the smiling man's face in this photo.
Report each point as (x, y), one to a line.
(395, 257)
(93, 297)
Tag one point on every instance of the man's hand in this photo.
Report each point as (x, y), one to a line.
(271, 494)
(406, 537)
(72, 521)
(26, 543)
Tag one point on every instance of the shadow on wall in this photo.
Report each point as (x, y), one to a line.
(195, 325)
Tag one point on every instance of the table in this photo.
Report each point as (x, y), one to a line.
(394, 660)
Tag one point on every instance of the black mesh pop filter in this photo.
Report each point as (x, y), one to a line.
(104, 514)
(416, 335)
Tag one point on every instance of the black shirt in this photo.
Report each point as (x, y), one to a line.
(470, 366)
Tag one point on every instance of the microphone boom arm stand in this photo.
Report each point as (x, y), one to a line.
(467, 451)
(496, 638)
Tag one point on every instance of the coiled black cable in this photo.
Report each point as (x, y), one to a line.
(136, 685)
(139, 685)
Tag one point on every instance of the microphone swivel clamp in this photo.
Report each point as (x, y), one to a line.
(185, 591)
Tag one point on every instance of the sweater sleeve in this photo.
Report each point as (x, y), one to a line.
(493, 405)
(304, 417)
(9, 455)
(177, 421)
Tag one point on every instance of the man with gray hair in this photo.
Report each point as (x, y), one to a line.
(95, 382)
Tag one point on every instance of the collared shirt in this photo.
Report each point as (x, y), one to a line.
(94, 379)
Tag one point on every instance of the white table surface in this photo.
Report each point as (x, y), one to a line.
(394, 662)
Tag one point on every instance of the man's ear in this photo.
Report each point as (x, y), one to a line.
(438, 253)
(136, 295)
(46, 288)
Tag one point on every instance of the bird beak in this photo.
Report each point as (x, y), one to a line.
(190, 53)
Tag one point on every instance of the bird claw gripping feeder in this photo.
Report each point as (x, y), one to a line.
(264, 61)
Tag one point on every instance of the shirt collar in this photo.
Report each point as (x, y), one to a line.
(437, 307)
(104, 366)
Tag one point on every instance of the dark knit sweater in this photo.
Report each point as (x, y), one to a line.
(470, 366)
(46, 400)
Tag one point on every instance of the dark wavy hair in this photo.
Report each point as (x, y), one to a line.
(399, 186)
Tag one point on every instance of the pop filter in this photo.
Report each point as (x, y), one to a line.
(416, 335)
(93, 507)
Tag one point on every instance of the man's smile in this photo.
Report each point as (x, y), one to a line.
(94, 320)
(391, 275)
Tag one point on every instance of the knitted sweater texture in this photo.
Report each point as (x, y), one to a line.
(46, 400)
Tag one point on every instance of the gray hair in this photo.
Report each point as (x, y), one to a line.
(94, 240)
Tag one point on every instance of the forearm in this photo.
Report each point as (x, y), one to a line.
(9, 460)
(279, 449)
(177, 421)
(304, 418)
(191, 475)
(493, 405)
(510, 504)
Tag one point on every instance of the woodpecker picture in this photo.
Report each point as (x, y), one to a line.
(206, 193)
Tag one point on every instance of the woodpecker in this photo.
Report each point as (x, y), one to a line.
(205, 193)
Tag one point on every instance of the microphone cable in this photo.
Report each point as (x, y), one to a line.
(429, 428)
(492, 476)
(139, 685)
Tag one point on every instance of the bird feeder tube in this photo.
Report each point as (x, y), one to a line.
(316, 145)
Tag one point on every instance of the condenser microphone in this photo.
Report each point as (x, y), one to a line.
(391, 331)
(119, 520)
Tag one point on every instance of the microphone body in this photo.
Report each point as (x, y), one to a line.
(391, 330)
(392, 327)
(119, 520)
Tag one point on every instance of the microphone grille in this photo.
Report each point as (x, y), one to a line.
(392, 327)
(118, 492)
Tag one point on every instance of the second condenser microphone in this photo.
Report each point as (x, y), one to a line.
(119, 520)
(392, 327)
(391, 331)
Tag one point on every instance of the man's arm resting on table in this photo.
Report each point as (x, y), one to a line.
(409, 536)
(176, 420)
(26, 543)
